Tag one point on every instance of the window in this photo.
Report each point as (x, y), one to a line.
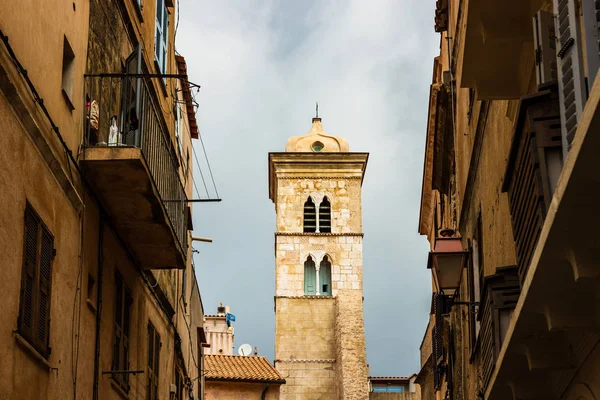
(310, 216)
(153, 357)
(310, 277)
(475, 281)
(123, 303)
(68, 68)
(36, 279)
(161, 35)
(179, 384)
(324, 220)
(317, 217)
(325, 277)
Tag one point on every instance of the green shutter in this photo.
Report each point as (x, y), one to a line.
(310, 277)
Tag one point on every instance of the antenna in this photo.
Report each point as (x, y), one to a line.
(317, 116)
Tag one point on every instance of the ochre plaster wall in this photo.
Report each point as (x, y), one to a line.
(240, 391)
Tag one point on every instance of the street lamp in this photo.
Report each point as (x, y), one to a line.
(446, 262)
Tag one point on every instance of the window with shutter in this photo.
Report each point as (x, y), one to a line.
(325, 216)
(161, 35)
(545, 47)
(570, 68)
(153, 358)
(310, 216)
(310, 277)
(121, 335)
(38, 252)
(440, 305)
(325, 277)
(591, 28)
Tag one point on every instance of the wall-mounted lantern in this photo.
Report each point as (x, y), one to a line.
(446, 262)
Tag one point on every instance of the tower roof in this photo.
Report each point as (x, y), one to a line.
(317, 141)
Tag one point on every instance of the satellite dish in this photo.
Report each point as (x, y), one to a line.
(245, 350)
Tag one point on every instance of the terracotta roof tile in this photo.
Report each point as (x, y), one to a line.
(240, 368)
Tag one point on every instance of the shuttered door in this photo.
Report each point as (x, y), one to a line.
(310, 277)
(591, 26)
(30, 256)
(44, 290)
(570, 68)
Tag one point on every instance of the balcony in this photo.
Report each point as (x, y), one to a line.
(498, 42)
(551, 340)
(130, 161)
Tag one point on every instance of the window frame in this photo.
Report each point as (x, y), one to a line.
(121, 331)
(31, 333)
(161, 35)
(153, 362)
(310, 265)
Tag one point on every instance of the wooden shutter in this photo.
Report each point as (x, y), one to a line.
(591, 26)
(45, 276)
(153, 358)
(310, 277)
(570, 68)
(545, 47)
(28, 285)
(325, 277)
(310, 216)
(34, 318)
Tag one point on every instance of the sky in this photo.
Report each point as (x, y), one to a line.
(261, 67)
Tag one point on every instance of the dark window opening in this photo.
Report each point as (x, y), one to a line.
(325, 216)
(325, 276)
(68, 71)
(310, 216)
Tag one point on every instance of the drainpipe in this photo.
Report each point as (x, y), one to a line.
(263, 396)
(98, 304)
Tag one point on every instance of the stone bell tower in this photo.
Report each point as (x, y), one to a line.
(319, 335)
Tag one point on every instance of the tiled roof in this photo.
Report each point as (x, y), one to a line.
(240, 368)
(187, 97)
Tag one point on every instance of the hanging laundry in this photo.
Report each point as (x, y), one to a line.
(113, 133)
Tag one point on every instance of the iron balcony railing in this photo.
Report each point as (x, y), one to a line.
(121, 111)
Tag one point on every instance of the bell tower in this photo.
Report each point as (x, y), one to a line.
(319, 334)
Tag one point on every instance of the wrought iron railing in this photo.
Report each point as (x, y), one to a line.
(121, 111)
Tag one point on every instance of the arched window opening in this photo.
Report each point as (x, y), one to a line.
(325, 216)
(310, 216)
(310, 277)
(325, 277)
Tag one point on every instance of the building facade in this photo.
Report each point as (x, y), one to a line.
(101, 296)
(219, 332)
(509, 175)
(319, 335)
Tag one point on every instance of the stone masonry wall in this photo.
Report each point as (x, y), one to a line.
(307, 380)
(344, 253)
(343, 194)
(320, 344)
(351, 357)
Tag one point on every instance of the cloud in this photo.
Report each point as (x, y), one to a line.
(262, 66)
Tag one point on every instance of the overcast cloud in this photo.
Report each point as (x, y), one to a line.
(262, 66)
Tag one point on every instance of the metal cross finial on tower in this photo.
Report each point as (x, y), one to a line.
(317, 116)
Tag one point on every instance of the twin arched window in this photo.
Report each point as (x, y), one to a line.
(317, 281)
(317, 218)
